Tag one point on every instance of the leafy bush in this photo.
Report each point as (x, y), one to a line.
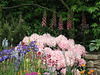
(14, 32)
(95, 45)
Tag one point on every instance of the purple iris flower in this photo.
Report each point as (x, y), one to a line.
(37, 49)
(4, 52)
(36, 46)
(18, 50)
(31, 45)
(8, 51)
(13, 48)
(32, 41)
(5, 57)
(1, 53)
(12, 56)
(1, 59)
(19, 45)
(24, 47)
(24, 52)
(16, 68)
(28, 50)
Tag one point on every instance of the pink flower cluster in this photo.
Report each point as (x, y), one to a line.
(73, 53)
(44, 19)
(54, 19)
(60, 23)
(33, 73)
(69, 23)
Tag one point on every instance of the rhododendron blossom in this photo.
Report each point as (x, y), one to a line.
(26, 40)
(34, 37)
(46, 43)
(82, 61)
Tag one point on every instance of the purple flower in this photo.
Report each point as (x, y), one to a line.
(69, 68)
(1, 59)
(12, 56)
(32, 42)
(16, 68)
(9, 51)
(32, 45)
(24, 47)
(36, 46)
(18, 50)
(28, 50)
(5, 57)
(24, 52)
(13, 48)
(4, 51)
(1, 53)
(37, 49)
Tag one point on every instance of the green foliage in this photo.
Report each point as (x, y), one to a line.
(95, 30)
(74, 8)
(86, 31)
(92, 9)
(32, 16)
(1, 30)
(94, 25)
(14, 32)
(95, 45)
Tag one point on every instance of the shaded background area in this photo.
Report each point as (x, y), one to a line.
(17, 21)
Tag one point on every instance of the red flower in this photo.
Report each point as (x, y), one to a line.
(50, 60)
(9, 47)
(42, 58)
(48, 56)
(23, 44)
(39, 53)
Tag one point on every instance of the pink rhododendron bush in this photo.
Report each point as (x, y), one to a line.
(59, 51)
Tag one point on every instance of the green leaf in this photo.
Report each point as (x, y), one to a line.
(86, 31)
(93, 41)
(74, 7)
(92, 47)
(94, 25)
(97, 3)
(75, 19)
(92, 9)
(83, 8)
(98, 14)
(97, 47)
(64, 19)
(94, 16)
